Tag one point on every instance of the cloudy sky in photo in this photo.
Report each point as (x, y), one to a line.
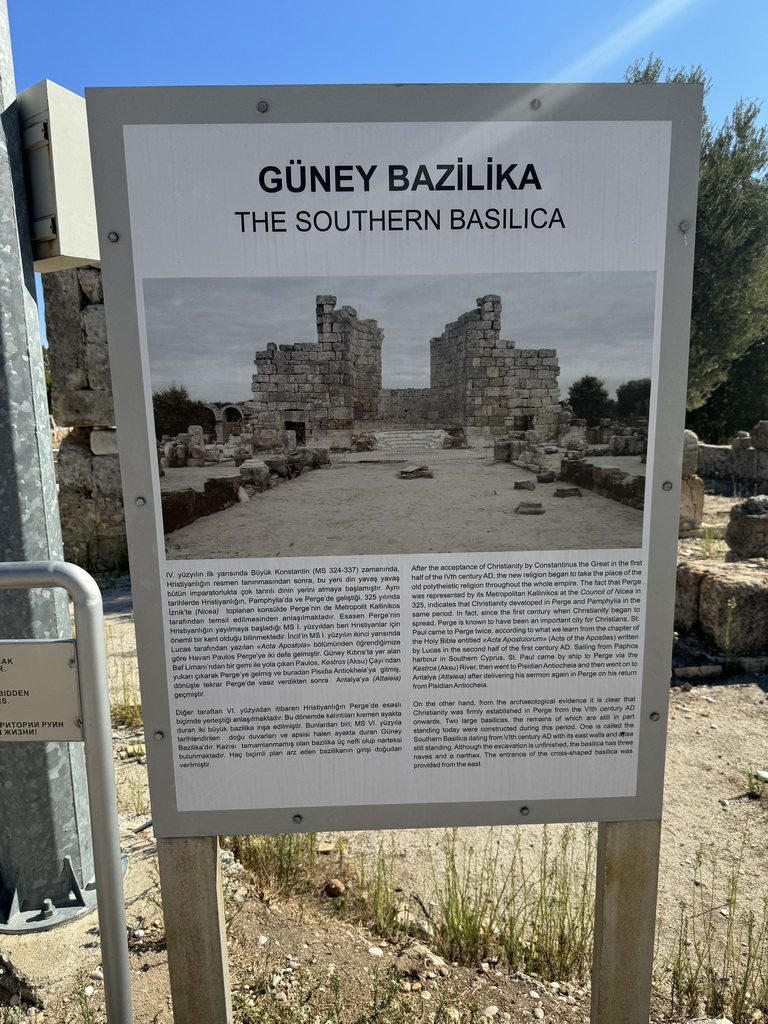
(203, 333)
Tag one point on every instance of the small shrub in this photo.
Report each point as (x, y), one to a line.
(549, 916)
(469, 899)
(720, 963)
(280, 864)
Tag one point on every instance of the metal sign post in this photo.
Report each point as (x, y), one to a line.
(100, 771)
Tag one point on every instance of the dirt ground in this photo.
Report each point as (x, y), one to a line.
(364, 508)
(717, 736)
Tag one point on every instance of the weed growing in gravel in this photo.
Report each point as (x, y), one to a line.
(470, 892)
(126, 707)
(132, 793)
(755, 786)
(728, 639)
(711, 543)
(380, 892)
(549, 916)
(720, 963)
(307, 1004)
(280, 864)
(542, 918)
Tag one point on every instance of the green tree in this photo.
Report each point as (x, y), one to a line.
(590, 400)
(633, 398)
(729, 311)
(739, 402)
(175, 411)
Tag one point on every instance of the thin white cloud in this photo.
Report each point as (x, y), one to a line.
(624, 40)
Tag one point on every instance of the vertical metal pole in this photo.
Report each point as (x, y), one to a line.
(43, 802)
(625, 921)
(193, 907)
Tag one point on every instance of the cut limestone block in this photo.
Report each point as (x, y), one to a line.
(413, 472)
(726, 604)
(530, 508)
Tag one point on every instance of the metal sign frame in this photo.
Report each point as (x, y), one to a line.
(110, 112)
(100, 767)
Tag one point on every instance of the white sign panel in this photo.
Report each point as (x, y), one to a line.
(39, 691)
(396, 570)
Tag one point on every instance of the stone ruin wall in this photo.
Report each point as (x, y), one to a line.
(326, 385)
(497, 387)
(738, 467)
(87, 463)
(478, 381)
(410, 409)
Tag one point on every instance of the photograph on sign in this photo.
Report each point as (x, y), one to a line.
(350, 384)
(401, 385)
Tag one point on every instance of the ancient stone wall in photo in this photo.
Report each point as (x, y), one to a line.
(478, 381)
(410, 408)
(494, 386)
(316, 388)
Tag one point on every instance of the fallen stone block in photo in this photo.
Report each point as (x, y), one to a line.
(502, 450)
(254, 471)
(278, 465)
(178, 509)
(524, 485)
(530, 508)
(413, 472)
(567, 492)
(612, 483)
(545, 478)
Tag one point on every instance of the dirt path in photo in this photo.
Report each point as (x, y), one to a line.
(366, 509)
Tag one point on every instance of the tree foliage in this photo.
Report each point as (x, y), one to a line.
(730, 284)
(589, 399)
(175, 411)
(633, 398)
(739, 402)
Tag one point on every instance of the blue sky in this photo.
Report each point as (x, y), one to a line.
(81, 43)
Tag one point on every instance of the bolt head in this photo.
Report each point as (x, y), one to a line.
(262, 106)
(113, 236)
(297, 819)
(655, 716)
(525, 811)
(139, 502)
(667, 485)
(159, 735)
(535, 104)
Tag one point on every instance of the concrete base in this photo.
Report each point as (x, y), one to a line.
(37, 966)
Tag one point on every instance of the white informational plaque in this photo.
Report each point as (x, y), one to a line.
(39, 691)
(384, 574)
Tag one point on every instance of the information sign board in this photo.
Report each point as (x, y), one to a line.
(39, 691)
(393, 577)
